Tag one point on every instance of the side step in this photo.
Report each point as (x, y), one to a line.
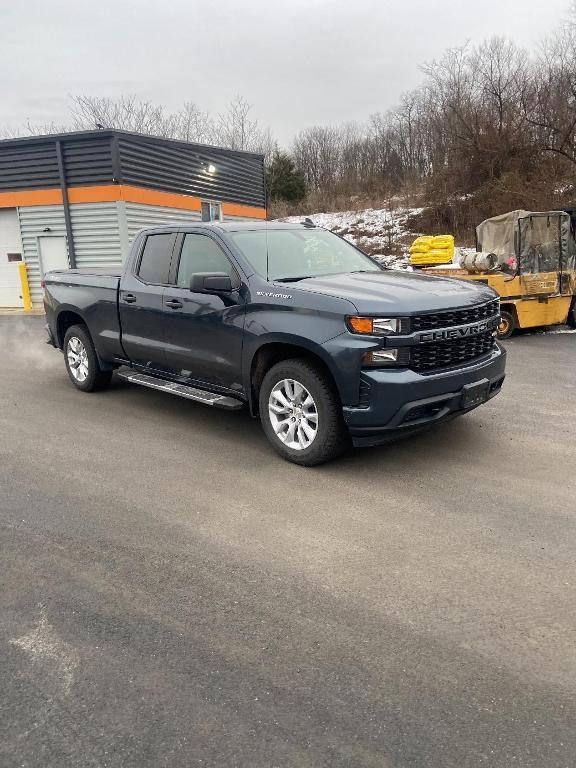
(182, 390)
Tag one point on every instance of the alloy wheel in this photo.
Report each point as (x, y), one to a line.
(77, 359)
(293, 414)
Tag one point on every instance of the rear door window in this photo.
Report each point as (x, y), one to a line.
(155, 260)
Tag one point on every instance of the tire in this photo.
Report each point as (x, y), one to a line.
(507, 325)
(308, 430)
(571, 320)
(82, 362)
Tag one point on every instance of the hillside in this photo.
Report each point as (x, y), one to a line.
(382, 232)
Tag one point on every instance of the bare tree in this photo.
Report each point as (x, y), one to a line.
(31, 129)
(236, 128)
(126, 113)
(193, 124)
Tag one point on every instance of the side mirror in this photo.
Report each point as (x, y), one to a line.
(211, 282)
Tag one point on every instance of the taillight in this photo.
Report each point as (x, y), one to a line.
(42, 284)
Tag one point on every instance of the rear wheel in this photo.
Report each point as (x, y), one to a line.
(82, 362)
(507, 325)
(301, 414)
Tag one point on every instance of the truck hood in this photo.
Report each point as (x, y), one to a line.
(397, 292)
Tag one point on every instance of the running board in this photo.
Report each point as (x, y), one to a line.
(182, 390)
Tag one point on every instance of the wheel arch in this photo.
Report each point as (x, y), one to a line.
(274, 351)
(510, 306)
(66, 318)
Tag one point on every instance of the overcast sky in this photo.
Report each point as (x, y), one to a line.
(299, 62)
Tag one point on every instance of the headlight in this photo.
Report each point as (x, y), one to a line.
(375, 326)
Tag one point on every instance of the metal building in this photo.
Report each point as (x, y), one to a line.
(78, 199)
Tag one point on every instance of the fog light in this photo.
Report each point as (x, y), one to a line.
(385, 356)
(381, 358)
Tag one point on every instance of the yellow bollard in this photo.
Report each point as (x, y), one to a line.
(25, 287)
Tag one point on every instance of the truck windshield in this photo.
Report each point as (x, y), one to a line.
(293, 254)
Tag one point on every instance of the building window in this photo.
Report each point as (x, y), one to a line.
(211, 211)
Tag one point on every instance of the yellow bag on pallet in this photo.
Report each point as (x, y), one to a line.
(432, 249)
(421, 244)
(445, 254)
(443, 241)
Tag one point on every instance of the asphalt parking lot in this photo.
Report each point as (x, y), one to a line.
(174, 594)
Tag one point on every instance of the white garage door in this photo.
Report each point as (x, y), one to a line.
(10, 257)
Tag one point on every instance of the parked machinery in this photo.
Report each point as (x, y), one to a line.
(529, 258)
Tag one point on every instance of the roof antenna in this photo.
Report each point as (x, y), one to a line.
(308, 222)
(100, 126)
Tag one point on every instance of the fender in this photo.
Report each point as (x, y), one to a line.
(255, 345)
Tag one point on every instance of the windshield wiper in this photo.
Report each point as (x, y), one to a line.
(291, 279)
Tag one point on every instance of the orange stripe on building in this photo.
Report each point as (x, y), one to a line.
(108, 193)
(30, 197)
(166, 199)
(235, 209)
(105, 193)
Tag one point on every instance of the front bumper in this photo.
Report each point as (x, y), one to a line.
(399, 402)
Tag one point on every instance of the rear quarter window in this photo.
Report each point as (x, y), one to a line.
(155, 260)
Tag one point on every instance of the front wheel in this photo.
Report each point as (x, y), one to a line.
(82, 362)
(301, 414)
(507, 325)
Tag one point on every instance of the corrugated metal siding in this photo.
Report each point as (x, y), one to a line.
(33, 222)
(145, 161)
(87, 162)
(32, 166)
(96, 230)
(239, 178)
(139, 216)
(96, 235)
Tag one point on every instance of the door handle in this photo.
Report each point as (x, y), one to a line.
(129, 298)
(174, 304)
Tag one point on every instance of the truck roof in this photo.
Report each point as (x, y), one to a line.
(233, 226)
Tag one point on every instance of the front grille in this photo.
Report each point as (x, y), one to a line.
(450, 353)
(455, 317)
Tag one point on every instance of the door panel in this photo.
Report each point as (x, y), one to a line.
(141, 303)
(53, 253)
(203, 332)
(204, 337)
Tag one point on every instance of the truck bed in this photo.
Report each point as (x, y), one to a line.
(93, 295)
(97, 277)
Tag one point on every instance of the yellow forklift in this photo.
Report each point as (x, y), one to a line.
(530, 260)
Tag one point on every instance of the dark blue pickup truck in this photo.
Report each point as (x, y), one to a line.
(317, 339)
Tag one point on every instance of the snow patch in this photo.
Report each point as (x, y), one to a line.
(381, 232)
